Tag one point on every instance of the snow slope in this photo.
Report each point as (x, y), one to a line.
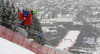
(68, 40)
(7, 47)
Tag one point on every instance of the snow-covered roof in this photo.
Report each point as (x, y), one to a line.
(59, 20)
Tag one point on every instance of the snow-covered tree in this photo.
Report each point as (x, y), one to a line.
(36, 26)
(8, 13)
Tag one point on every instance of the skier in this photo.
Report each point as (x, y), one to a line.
(25, 16)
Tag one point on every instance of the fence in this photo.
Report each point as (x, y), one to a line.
(25, 42)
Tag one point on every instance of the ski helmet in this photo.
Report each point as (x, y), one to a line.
(25, 12)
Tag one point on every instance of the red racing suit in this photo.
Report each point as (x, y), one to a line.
(27, 20)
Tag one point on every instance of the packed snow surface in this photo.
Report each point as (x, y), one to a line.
(68, 40)
(7, 47)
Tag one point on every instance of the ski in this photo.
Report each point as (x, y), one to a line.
(29, 30)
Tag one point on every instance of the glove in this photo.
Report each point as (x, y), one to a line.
(29, 27)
